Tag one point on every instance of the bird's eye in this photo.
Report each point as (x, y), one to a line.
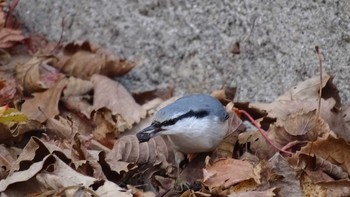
(155, 124)
(227, 116)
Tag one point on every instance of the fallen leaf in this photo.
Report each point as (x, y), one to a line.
(225, 95)
(305, 90)
(8, 90)
(118, 100)
(317, 168)
(331, 149)
(335, 188)
(61, 127)
(44, 105)
(84, 60)
(162, 93)
(157, 150)
(60, 175)
(10, 37)
(21, 176)
(77, 87)
(10, 116)
(37, 75)
(106, 130)
(8, 155)
(281, 175)
(266, 193)
(216, 175)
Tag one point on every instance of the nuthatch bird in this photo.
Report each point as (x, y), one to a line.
(193, 124)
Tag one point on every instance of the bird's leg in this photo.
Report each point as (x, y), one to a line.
(180, 184)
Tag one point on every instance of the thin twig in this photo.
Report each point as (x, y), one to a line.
(321, 80)
(263, 133)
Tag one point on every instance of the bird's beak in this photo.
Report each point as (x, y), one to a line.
(147, 133)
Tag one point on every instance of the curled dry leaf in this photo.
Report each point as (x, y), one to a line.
(37, 75)
(157, 150)
(34, 151)
(225, 95)
(266, 193)
(298, 127)
(84, 60)
(10, 37)
(60, 127)
(113, 96)
(279, 174)
(296, 130)
(8, 155)
(8, 90)
(317, 168)
(217, 174)
(332, 149)
(53, 174)
(85, 161)
(105, 130)
(44, 105)
(309, 90)
(77, 87)
(14, 124)
(21, 176)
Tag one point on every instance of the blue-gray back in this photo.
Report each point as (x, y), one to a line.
(197, 102)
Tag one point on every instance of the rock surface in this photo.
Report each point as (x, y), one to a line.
(189, 43)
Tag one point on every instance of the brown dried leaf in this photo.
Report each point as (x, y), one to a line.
(317, 168)
(105, 132)
(37, 74)
(77, 87)
(84, 60)
(112, 95)
(139, 193)
(266, 193)
(157, 150)
(34, 151)
(79, 105)
(334, 188)
(60, 127)
(85, 161)
(217, 174)
(44, 105)
(61, 176)
(299, 126)
(291, 133)
(23, 175)
(10, 37)
(225, 95)
(7, 91)
(331, 149)
(8, 155)
(162, 93)
(305, 90)
(279, 174)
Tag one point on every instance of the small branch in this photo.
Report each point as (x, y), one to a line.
(263, 133)
(321, 80)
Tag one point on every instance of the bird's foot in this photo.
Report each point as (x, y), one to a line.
(182, 185)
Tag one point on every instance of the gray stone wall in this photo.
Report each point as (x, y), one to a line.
(189, 43)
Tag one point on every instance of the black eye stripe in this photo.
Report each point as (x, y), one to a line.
(197, 114)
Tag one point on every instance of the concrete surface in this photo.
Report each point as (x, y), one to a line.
(189, 43)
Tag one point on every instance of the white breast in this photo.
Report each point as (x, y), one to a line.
(192, 135)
